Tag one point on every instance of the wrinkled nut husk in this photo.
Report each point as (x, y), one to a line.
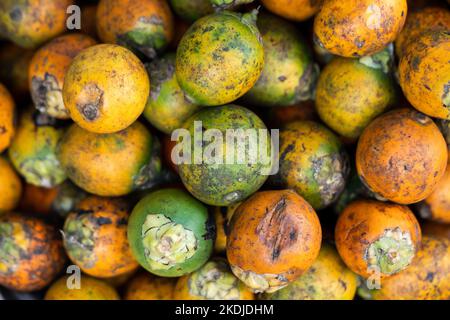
(260, 282)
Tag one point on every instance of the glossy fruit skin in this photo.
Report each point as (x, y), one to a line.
(30, 23)
(312, 162)
(145, 286)
(33, 152)
(144, 26)
(297, 10)
(34, 255)
(349, 95)
(90, 289)
(436, 206)
(274, 253)
(213, 281)
(110, 164)
(10, 188)
(106, 88)
(429, 18)
(327, 279)
(227, 183)
(191, 10)
(47, 72)
(95, 237)
(180, 209)
(358, 28)
(424, 73)
(401, 156)
(167, 107)
(416, 282)
(7, 115)
(289, 72)
(219, 58)
(362, 223)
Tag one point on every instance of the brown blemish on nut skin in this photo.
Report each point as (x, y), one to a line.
(90, 102)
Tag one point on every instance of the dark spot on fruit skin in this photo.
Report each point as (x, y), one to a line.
(122, 222)
(429, 277)
(282, 78)
(415, 63)
(102, 221)
(81, 211)
(3, 130)
(15, 14)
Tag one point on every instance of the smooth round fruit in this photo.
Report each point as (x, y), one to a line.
(167, 107)
(90, 289)
(373, 236)
(48, 69)
(275, 236)
(327, 279)
(95, 237)
(350, 94)
(356, 28)
(144, 26)
(289, 72)
(426, 19)
(226, 172)
(31, 253)
(297, 10)
(213, 281)
(170, 233)
(7, 109)
(111, 164)
(10, 186)
(401, 156)
(424, 74)
(436, 206)
(313, 162)
(145, 286)
(425, 279)
(220, 58)
(191, 10)
(30, 23)
(106, 88)
(33, 152)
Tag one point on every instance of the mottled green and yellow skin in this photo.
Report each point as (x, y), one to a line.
(180, 238)
(167, 107)
(33, 152)
(29, 23)
(289, 72)
(191, 10)
(327, 279)
(90, 289)
(220, 58)
(226, 183)
(312, 162)
(350, 94)
(111, 164)
(213, 281)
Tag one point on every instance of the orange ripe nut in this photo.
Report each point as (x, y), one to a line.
(95, 237)
(373, 236)
(355, 28)
(106, 88)
(146, 286)
(7, 109)
(31, 253)
(401, 156)
(275, 236)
